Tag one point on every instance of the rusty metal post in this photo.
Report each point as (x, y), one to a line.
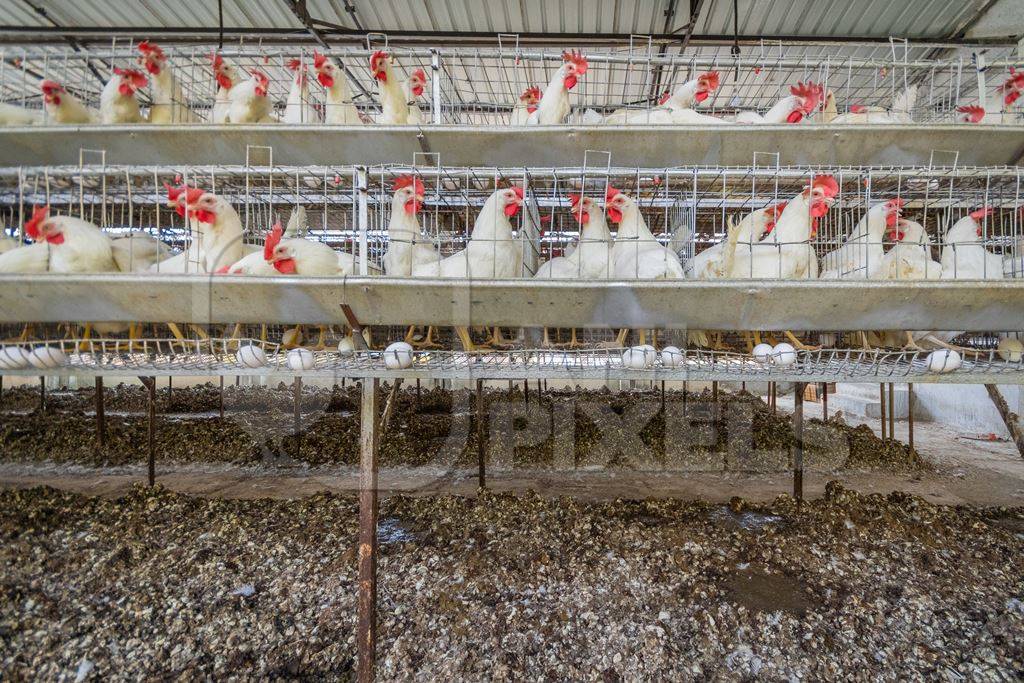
(540, 395)
(743, 386)
(892, 411)
(417, 392)
(151, 441)
(798, 449)
(42, 394)
(881, 407)
(170, 391)
(481, 434)
(910, 417)
(297, 417)
(774, 400)
(662, 397)
(101, 416)
(220, 404)
(714, 392)
(824, 400)
(366, 625)
(526, 391)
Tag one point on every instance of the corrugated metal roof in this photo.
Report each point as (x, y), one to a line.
(913, 19)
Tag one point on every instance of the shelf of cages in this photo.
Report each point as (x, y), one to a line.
(879, 222)
(245, 356)
(469, 95)
(484, 86)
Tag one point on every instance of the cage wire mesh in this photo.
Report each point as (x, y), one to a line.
(482, 86)
(685, 209)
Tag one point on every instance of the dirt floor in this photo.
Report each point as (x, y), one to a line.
(157, 584)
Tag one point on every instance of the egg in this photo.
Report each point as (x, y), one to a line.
(763, 353)
(47, 357)
(346, 346)
(650, 354)
(943, 360)
(635, 358)
(251, 356)
(13, 358)
(1011, 350)
(783, 354)
(398, 356)
(671, 357)
(300, 359)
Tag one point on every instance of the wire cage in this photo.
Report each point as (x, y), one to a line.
(482, 86)
(686, 212)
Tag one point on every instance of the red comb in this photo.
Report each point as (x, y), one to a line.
(518, 190)
(295, 64)
(223, 270)
(39, 214)
(262, 80)
(810, 92)
(51, 87)
(408, 181)
(151, 49)
(375, 63)
(973, 112)
(272, 240)
(135, 78)
(319, 60)
(575, 199)
(576, 58)
(531, 94)
(610, 193)
(981, 213)
(897, 202)
(709, 80)
(828, 185)
(216, 60)
(858, 108)
(420, 74)
(664, 97)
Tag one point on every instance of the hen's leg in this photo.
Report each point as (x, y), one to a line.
(467, 342)
(799, 344)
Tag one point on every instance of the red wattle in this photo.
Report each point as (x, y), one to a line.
(325, 80)
(511, 210)
(531, 108)
(583, 217)
(418, 90)
(819, 209)
(700, 96)
(152, 67)
(412, 206)
(891, 219)
(381, 76)
(223, 81)
(204, 216)
(285, 266)
(569, 82)
(57, 238)
(125, 89)
(1012, 97)
(795, 116)
(614, 214)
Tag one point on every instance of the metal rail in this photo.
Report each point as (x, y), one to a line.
(217, 356)
(376, 301)
(645, 146)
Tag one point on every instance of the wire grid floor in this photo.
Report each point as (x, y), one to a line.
(219, 356)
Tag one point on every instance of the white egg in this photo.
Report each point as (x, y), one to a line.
(300, 359)
(635, 358)
(650, 354)
(346, 346)
(783, 354)
(671, 357)
(251, 356)
(47, 357)
(13, 358)
(398, 356)
(943, 360)
(763, 353)
(1011, 350)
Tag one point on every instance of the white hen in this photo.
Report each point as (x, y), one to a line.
(860, 256)
(554, 103)
(406, 247)
(636, 254)
(339, 107)
(393, 102)
(63, 107)
(299, 108)
(715, 262)
(248, 101)
(492, 251)
(215, 232)
(118, 101)
(591, 259)
(168, 98)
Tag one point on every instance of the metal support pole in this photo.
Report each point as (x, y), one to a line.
(297, 416)
(824, 400)
(910, 417)
(892, 411)
(481, 434)
(417, 392)
(540, 395)
(714, 392)
(101, 416)
(220, 404)
(151, 441)
(774, 396)
(798, 449)
(170, 391)
(42, 394)
(366, 625)
(684, 397)
(662, 397)
(526, 391)
(881, 407)
(1011, 420)
(362, 213)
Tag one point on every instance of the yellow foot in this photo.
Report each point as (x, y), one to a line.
(799, 344)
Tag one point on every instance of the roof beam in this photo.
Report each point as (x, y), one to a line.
(298, 8)
(344, 35)
(45, 16)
